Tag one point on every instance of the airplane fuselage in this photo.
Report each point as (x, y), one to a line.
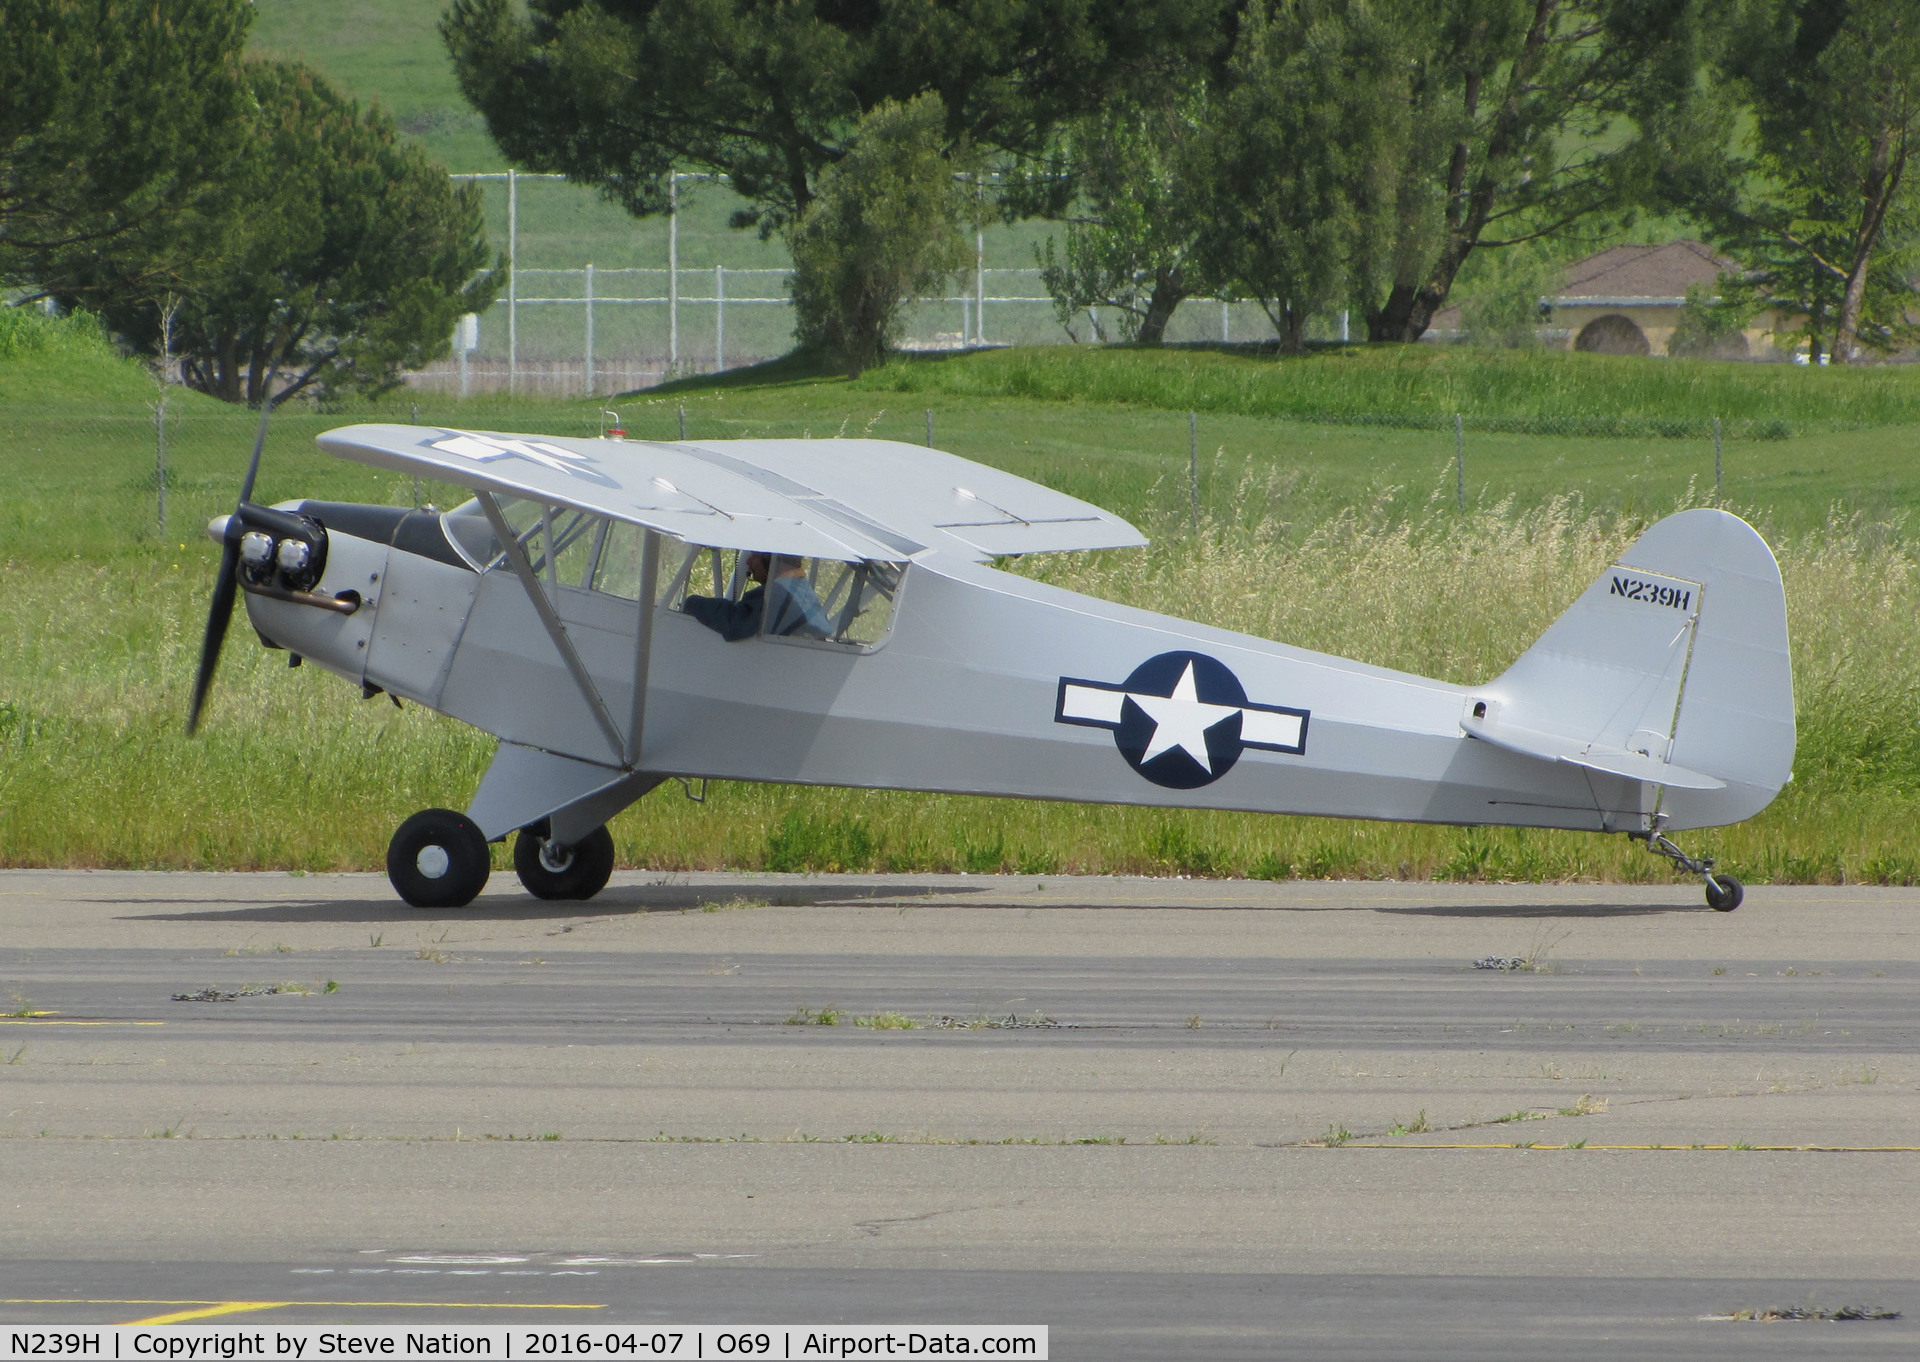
(988, 683)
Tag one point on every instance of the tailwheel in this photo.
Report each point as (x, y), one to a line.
(1724, 892)
(438, 859)
(552, 871)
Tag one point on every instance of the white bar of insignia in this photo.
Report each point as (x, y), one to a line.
(1087, 702)
(1264, 727)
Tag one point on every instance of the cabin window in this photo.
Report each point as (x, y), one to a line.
(818, 600)
(560, 542)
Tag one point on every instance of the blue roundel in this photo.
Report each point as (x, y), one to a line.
(1172, 764)
(1181, 719)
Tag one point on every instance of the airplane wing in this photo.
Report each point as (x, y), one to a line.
(843, 499)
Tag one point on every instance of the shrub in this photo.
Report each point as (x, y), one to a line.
(883, 229)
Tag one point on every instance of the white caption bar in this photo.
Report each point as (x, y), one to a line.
(304, 1343)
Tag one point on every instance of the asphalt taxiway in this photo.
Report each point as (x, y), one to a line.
(1165, 1117)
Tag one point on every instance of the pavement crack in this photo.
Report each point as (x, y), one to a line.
(874, 1228)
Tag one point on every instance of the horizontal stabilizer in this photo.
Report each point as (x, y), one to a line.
(1617, 761)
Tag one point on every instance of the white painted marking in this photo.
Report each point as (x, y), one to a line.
(464, 1259)
(1263, 726)
(1181, 720)
(1091, 704)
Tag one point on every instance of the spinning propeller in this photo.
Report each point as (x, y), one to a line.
(227, 585)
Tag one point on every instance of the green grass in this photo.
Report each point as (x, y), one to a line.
(294, 771)
(1529, 392)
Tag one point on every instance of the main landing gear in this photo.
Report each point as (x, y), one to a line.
(439, 859)
(1724, 892)
(551, 871)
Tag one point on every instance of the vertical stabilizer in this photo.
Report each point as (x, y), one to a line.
(1671, 669)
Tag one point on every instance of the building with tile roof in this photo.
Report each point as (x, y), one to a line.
(1626, 300)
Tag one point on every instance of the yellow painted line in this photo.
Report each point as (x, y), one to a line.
(39, 1021)
(262, 1305)
(209, 1311)
(1659, 1148)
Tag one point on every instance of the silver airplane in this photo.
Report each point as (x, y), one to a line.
(624, 612)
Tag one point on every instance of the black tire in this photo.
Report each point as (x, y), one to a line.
(583, 868)
(438, 859)
(1724, 893)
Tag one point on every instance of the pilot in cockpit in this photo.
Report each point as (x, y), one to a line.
(781, 593)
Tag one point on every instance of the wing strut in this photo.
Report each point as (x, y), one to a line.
(643, 640)
(517, 558)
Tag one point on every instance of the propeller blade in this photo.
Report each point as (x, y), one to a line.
(226, 586)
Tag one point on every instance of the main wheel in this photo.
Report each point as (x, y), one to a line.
(551, 871)
(438, 859)
(1724, 893)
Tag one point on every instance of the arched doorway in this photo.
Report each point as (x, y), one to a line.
(1612, 334)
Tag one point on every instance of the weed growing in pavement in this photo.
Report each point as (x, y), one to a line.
(1511, 1117)
(1417, 1126)
(1336, 1135)
(1588, 1105)
(810, 1016)
(887, 1021)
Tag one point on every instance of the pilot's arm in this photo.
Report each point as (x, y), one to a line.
(797, 612)
(732, 620)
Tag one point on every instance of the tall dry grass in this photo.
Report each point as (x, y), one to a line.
(296, 771)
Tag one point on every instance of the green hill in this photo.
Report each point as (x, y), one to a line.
(67, 360)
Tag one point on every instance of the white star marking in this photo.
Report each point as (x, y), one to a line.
(483, 449)
(1181, 720)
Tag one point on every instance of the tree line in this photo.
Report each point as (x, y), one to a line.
(1307, 155)
(237, 215)
(247, 221)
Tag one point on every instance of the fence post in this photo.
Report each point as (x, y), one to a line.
(966, 321)
(719, 318)
(589, 328)
(1193, 468)
(1716, 458)
(979, 283)
(929, 427)
(673, 272)
(1226, 324)
(513, 280)
(1459, 463)
(160, 453)
(414, 412)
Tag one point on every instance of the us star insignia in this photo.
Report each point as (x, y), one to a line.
(1181, 719)
(490, 448)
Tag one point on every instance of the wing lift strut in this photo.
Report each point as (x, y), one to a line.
(528, 787)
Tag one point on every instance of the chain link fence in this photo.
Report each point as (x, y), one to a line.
(146, 476)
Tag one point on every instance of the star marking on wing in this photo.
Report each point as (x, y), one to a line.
(1181, 720)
